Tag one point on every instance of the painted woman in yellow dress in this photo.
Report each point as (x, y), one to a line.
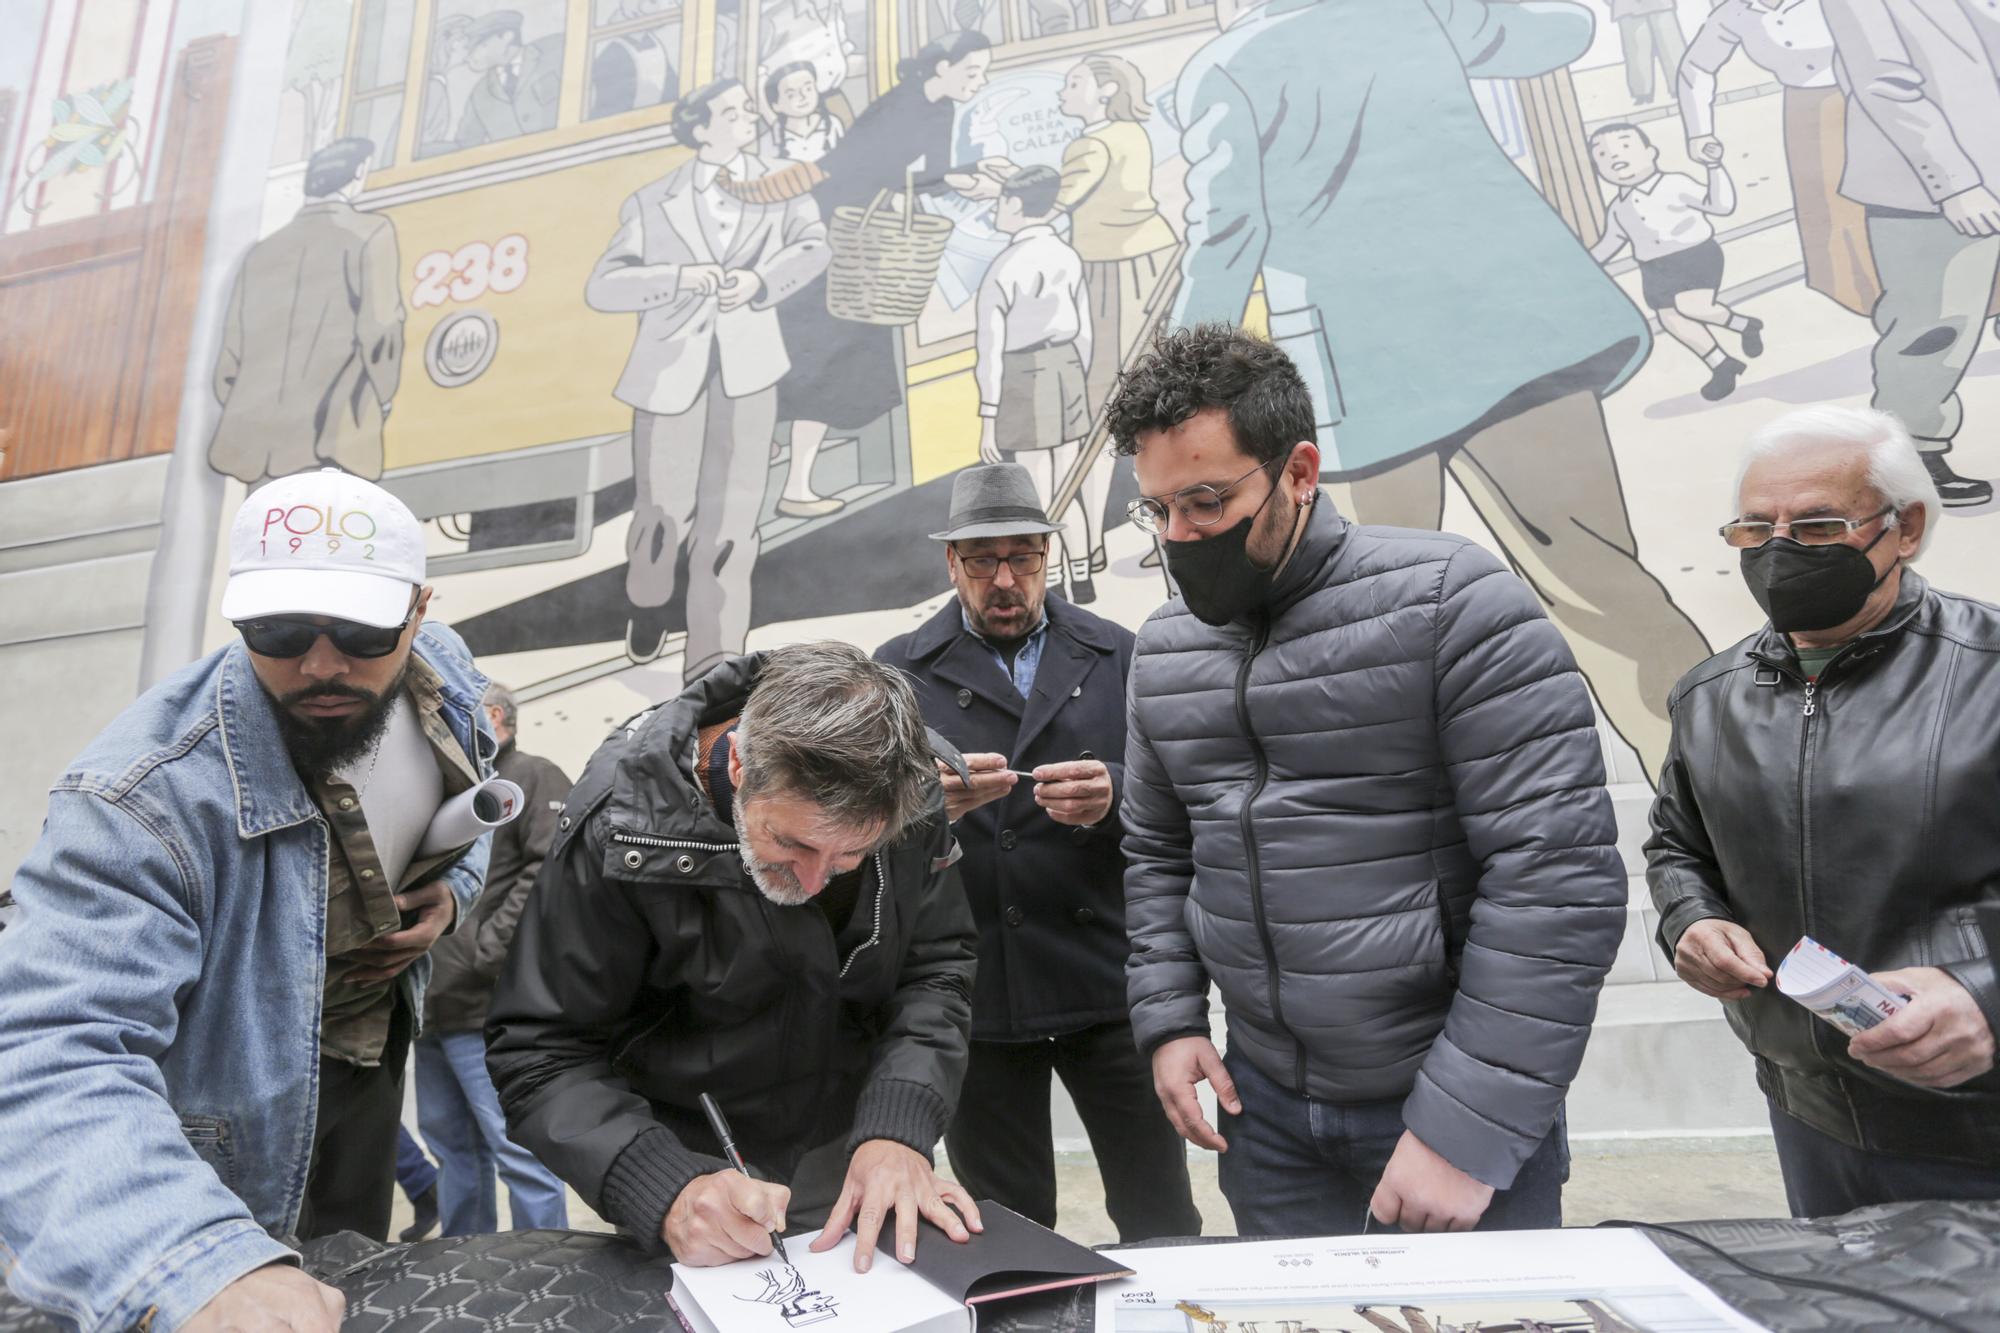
(1117, 229)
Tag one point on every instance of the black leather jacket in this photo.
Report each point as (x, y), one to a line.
(648, 970)
(1863, 810)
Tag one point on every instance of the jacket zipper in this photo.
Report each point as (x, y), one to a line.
(1250, 847)
(875, 935)
(648, 840)
(1808, 709)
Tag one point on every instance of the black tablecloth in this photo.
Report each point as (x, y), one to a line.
(1943, 1258)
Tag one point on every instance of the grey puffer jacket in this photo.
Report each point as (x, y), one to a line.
(1375, 817)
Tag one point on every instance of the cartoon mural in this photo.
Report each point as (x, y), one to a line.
(673, 318)
(312, 346)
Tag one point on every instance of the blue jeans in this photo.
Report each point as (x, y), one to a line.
(460, 1115)
(1297, 1166)
(414, 1171)
(1824, 1177)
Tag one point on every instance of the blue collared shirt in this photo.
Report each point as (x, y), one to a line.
(1026, 661)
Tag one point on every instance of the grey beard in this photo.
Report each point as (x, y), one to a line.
(774, 882)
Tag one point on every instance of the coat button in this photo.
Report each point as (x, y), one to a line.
(684, 863)
(1076, 693)
(1083, 916)
(1015, 916)
(347, 802)
(1007, 840)
(367, 874)
(965, 698)
(633, 860)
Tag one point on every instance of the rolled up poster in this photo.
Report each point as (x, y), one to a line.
(465, 816)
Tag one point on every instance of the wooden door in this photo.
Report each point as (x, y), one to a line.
(96, 312)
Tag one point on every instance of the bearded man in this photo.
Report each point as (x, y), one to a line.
(749, 896)
(207, 1002)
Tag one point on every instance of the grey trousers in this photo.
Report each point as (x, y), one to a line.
(699, 479)
(1546, 482)
(1645, 38)
(1935, 288)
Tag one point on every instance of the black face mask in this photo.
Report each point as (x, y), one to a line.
(1216, 576)
(1810, 588)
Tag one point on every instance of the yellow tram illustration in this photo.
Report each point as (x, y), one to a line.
(508, 375)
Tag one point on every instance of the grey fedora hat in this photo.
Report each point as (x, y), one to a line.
(994, 500)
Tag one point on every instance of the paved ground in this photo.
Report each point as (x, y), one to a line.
(1652, 1180)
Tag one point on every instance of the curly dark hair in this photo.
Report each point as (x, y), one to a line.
(1215, 365)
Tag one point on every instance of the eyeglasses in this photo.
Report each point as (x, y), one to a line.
(1023, 563)
(284, 637)
(1806, 531)
(1200, 505)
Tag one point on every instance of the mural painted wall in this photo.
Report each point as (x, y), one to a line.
(673, 318)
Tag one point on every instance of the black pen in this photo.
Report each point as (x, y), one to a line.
(721, 1128)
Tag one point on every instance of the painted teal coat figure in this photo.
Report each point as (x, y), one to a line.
(1444, 315)
(1413, 273)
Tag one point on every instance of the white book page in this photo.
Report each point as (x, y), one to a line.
(821, 1292)
(1614, 1281)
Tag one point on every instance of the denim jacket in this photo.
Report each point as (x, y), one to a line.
(160, 1000)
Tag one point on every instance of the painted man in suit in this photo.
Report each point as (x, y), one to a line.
(519, 82)
(1923, 159)
(312, 347)
(704, 270)
(1477, 338)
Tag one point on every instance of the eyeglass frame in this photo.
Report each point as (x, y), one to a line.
(1143, 518)
(964, 563)
(1852, 526)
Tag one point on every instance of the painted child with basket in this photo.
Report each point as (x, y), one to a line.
(1032, 334)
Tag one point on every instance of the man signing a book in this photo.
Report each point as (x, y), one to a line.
(748, 896)
(1834, 775)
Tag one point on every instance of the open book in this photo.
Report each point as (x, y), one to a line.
(936, 1294)
(1834, 988)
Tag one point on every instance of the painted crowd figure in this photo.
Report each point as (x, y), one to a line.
(847, 374)
(1922, 79)
(312, 345)
(1367, 282)
(704, 271)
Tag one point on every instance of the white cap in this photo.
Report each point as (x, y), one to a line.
(324, 543)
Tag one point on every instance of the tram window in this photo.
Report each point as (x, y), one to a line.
(1052, 18)
(381, 59)
(944, 16)
(1132, 11)
(635, 55)
(821, 33)
(495, 73)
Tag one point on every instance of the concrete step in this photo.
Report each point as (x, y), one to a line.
(1663, 1061)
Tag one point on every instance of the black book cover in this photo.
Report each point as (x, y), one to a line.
(1011, 1257)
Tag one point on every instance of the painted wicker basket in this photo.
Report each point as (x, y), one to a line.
(883, 261)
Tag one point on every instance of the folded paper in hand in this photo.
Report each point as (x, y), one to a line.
(1834, 988)
(460, 821)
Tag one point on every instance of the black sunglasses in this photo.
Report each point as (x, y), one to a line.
(282, 637)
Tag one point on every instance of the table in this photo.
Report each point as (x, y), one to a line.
(1940, 1257)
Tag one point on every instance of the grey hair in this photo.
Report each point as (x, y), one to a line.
(827, 723)
(500, 697)
(1896, 471)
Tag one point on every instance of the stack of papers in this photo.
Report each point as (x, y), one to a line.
(1834, 988)
(1505, 1282)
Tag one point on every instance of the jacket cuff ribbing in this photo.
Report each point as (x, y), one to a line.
(646, 1178)
(911, 1114)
